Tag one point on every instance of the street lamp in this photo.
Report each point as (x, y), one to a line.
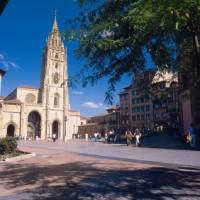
(2, 73)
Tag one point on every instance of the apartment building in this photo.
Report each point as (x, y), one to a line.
(151, 100)
(165, 99)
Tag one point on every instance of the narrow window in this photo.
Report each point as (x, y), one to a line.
(56, 100)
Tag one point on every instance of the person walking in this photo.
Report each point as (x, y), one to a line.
(129, 137)
(192, 135)
(137, 136)
(54, 137)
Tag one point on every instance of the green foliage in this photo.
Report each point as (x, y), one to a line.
(117, 36)
(8, 145)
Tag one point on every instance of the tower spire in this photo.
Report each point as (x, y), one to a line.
(55, 25)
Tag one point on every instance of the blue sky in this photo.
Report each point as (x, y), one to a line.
(24, 28)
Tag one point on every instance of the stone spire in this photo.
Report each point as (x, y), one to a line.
(55, 25)
(54, 40)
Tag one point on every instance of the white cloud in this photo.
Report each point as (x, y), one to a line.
(7, 63)
(100, 104)
(91, 105)
(1, 57)
(14, 65)
(77, 92)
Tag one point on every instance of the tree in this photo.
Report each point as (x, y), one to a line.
(117, 37)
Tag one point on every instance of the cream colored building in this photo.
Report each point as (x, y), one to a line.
(38, 113)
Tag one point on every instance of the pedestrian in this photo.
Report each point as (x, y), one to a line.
(106, 137)
(129, 137)
(137, 136)
(54, 137)
(192, 135)
(95, 136)
(116, 135)
(86, 137)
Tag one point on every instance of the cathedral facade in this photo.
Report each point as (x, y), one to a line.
(39, 113)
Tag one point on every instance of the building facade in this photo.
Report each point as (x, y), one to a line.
(151, 100)
(136, 111)
(38, 113)
(101, 123)
(125, 107)
(165, 100)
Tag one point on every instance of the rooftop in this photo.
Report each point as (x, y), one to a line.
(12, 101)
(27, 87)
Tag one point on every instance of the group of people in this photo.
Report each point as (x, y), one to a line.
(111, 136)
(129, 137)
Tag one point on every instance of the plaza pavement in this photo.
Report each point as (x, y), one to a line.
(64, 171)
(160, 156)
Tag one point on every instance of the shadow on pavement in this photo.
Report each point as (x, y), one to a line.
(81, 180)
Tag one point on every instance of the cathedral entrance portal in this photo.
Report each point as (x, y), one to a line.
(34, 125)
(55, 129)
(11, 130)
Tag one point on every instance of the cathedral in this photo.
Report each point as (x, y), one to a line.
(34, 113)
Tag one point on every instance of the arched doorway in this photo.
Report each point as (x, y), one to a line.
(11, 130)
(34, 125)
(55, 128)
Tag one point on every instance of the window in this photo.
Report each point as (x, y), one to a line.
(142, 108)
(138, 109)
(164, 105)
(56, 56)
(133, 101)
(147, 97)
(56, 100)
(138, 117)
(133, 118)
(134, 109)
(138, 100)
(56, 78)
(147, 107)
(56, 65)
(157, 115)
(163, 115)
(133, 92)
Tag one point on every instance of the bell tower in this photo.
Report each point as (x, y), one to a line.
(53, 93)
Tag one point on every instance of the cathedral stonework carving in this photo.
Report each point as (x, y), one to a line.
(37, 113)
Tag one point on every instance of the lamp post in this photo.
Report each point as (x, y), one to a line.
(2, 73)
(65, 93)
